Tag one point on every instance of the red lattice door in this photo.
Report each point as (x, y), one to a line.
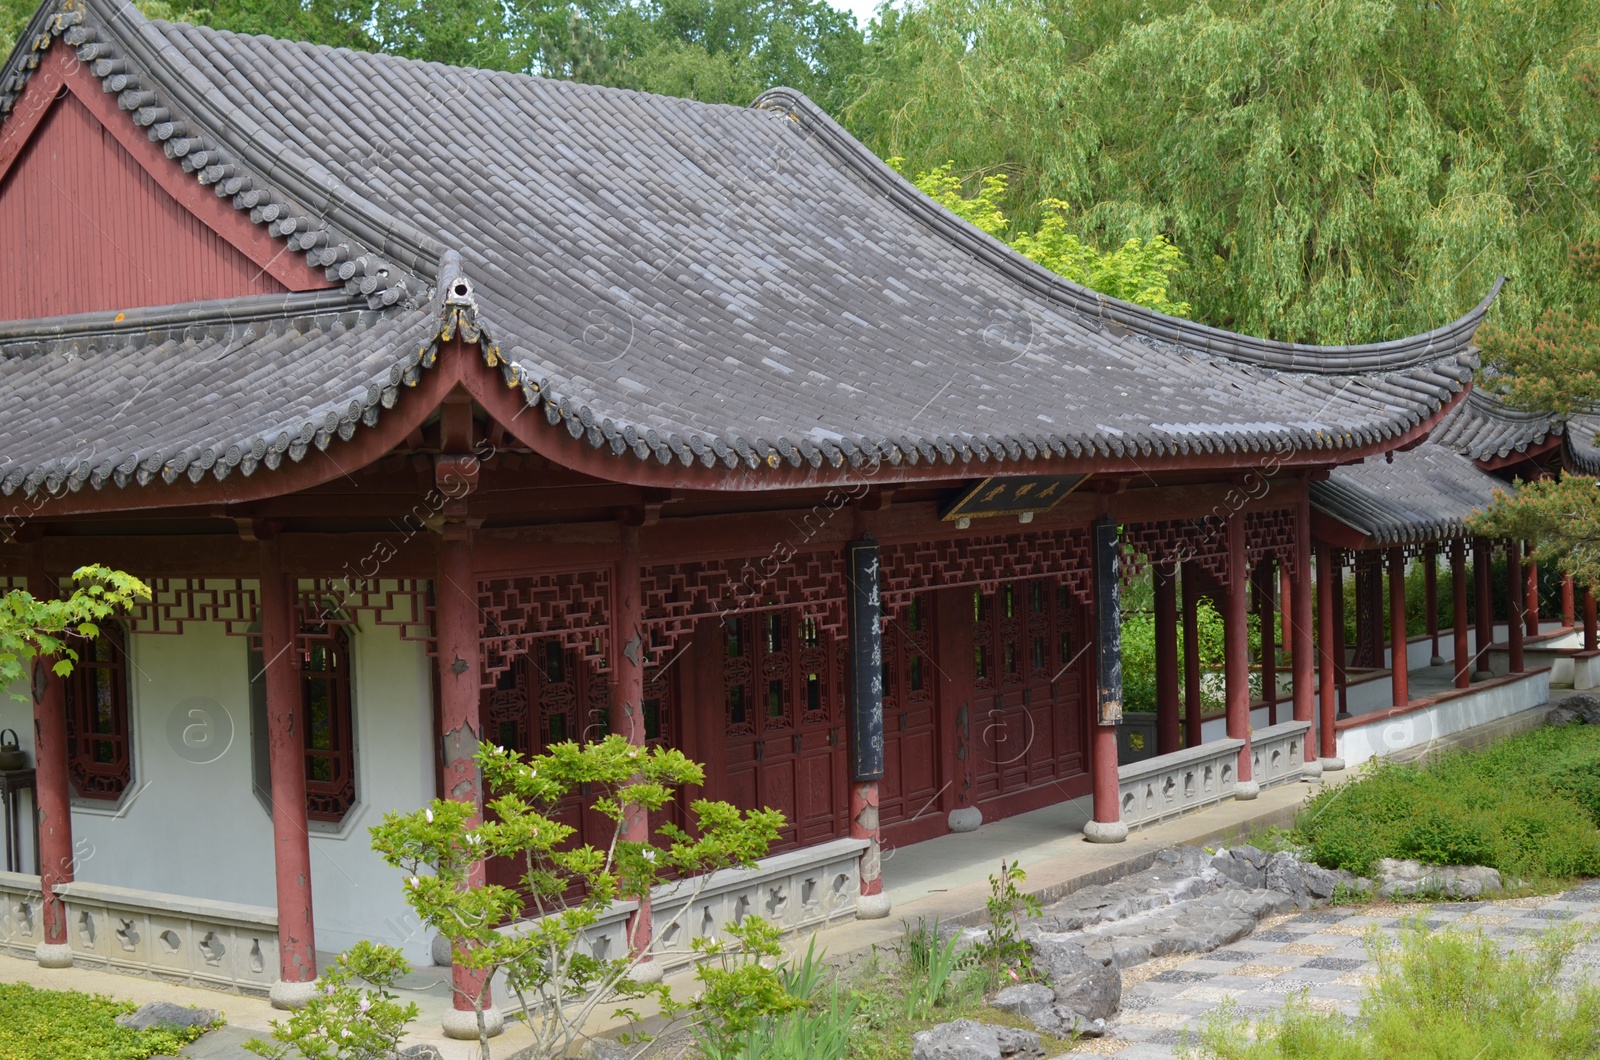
(552, 695)
(1030, 666)
(783, 724)
(911, 757)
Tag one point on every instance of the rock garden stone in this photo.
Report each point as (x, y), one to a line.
(1406, 878)
(1036, 1003)
(1086, 985)
(971, 1040)
(167, 1016)
(1581, 709)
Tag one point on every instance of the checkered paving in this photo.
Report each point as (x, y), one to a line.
(1322, 954)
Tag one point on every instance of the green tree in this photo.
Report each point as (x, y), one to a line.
(1337, 170)
(1139, 270)
(558, 982)
(33, 627)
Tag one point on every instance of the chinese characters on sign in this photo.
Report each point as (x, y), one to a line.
(1013, 496)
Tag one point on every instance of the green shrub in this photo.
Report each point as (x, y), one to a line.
(66, 1025)
(1528, 806)
(1439, 994)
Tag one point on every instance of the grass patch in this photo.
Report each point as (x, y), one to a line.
(65, 1025)
(1528, 806)
(1443, 994)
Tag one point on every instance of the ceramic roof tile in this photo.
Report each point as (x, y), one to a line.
(674, 269)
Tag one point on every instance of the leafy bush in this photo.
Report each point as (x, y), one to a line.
(346, 1021)
(1527, 806)
(1436, 994)
(65, 1025)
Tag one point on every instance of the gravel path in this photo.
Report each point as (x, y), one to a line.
(1320, 952)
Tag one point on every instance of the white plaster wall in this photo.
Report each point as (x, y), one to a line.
(1386, 736)
(193, 825)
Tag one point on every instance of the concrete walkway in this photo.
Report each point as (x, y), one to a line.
(944, 878)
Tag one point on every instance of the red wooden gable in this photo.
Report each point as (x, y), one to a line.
(93, 216)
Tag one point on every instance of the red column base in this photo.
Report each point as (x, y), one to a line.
(872, 903)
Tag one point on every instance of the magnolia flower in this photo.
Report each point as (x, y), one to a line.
(328, 990)
(427, 815)
(366, 1003)
(413, 882)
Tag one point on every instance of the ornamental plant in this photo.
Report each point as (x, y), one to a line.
(557, 980)
(34, 627)
(343, 1020)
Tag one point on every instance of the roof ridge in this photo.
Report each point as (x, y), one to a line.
(1392, 355)
(292, 197)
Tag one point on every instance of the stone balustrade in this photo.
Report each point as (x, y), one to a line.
(191, 941)
(795, 890)
(1172, 784)
(1278, 752)
(20, 926)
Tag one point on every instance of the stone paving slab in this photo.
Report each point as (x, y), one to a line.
(1322, 954)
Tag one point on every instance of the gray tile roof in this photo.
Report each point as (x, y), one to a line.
(1485, 428)
(672, 281)
(1425, 494)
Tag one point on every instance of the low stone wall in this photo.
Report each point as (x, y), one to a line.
(172, 938)
(191, 941)
(1178, 783)
(1363, 738)
(20, 927)
(1569, 666)
(795, 890)
(1278, 752)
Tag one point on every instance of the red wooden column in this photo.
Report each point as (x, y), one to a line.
(1340, 675)
(286, 757)
(1591, 621)
(1236, 653)
(866, 720)
(1262, 582)
(1516, 605)
(1458, 616)
(1430, 600)
(1192, 706)
(1397, 627)
(53, 791)
(1327, 669)
(455, 604)
(1297, 623)
(626, 710)
(1285, 596)
(1568, 609)
(1482, 570)
(1106, 825)
(1530, 596)
(1169, 736)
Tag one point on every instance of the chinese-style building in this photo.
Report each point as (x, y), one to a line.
(440, 405)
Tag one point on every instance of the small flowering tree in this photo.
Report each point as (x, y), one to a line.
(557, 980)
(343, 1020)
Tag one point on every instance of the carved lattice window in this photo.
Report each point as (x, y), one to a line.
(777, 672)
(329, 724)
(98, 742)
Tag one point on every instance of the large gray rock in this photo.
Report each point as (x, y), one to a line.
(1089, 986)
(1036, 1003)
(419, 1052)
(1245, 866)
(1405, 878)
(167, 1016)
(1582, 709)
(971, 1040)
